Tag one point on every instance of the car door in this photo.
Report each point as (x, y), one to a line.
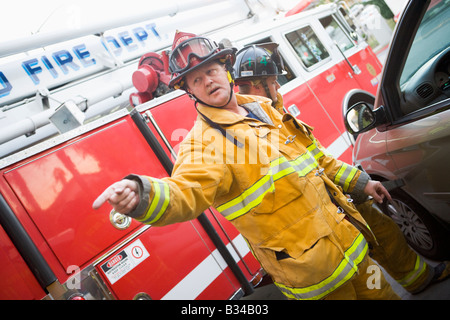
(402, 138)
(415, 92)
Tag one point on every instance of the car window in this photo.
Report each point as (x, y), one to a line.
(307, 46)
(336, 33)
(424, 80)
(431, 39)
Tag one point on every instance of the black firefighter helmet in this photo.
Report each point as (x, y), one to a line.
(258, 60)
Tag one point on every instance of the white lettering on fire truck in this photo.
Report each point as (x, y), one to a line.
(56, 66)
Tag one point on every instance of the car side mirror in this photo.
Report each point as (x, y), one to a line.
(360, 117)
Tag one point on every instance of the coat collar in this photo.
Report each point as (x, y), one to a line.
(222, 116)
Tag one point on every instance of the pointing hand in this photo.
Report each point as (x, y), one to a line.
(123, 196)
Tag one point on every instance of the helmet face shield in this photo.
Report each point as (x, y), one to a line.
(276, 57)
(191, 52)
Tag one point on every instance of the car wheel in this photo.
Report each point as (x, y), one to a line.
(422, 232)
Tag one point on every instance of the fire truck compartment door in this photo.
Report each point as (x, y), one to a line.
(57, 188)
(167, 263)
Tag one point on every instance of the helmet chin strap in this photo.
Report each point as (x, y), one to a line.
(215, 125)
(266, 88)
(212, 123)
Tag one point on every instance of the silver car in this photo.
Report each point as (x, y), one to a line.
(402, 136)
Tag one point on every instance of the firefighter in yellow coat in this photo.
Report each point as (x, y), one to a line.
(268, 176)
(256, 70)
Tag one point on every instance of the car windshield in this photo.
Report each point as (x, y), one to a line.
(431, 38)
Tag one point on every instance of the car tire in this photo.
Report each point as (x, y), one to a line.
(422, 232)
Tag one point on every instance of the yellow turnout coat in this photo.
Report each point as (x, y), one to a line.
(275, 183)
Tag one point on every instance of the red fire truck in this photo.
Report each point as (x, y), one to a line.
(88, 106)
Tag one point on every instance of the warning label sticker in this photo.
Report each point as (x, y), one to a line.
(125, 261)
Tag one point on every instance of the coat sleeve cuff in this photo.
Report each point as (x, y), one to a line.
(357, 193)
(144, 195)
